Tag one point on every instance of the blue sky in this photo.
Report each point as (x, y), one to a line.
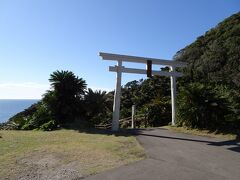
(38, 37)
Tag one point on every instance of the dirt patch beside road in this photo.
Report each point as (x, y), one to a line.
(41, 165)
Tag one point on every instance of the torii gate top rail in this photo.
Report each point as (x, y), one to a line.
(135, 59)
(119, 69)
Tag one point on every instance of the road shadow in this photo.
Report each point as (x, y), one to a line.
(83, 127)
(233, 145)
(91, 130)
(108, 132)
(120, 132)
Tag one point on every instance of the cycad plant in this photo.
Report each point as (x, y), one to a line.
(64, 99)
(201, 106)
(97, 106)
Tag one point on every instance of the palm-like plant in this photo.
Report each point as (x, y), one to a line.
(66, 83)
(97, 105)
(66, 94)
(201, 106)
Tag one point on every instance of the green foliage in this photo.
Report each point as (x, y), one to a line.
(48, 126)
(40, 117)
(65, 98)
(21, 118)
(202, 106)
(213, 59)
(60, 105)
(215, 56)
(158, 112)
(151, 97)
(98, 106)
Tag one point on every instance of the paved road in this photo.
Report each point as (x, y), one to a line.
(179, 156)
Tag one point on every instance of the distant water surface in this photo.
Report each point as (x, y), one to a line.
(10, 107)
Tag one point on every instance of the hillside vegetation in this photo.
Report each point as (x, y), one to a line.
(209, 92)
(215, 56)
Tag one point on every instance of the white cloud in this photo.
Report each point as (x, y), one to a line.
(26, 90)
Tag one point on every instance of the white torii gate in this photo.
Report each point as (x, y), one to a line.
(119, 69)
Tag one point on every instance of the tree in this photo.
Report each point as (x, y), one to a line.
(202, 106)
(97, 106)
(64, 100)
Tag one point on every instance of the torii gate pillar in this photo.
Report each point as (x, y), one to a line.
(117, 96)
(173, 95)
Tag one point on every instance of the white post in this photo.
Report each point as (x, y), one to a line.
(117, 95)
(133, 116)
(173, 95)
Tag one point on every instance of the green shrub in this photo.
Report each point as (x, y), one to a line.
(28, 126)
(158, 111)
(201, 106)
(48, 126)
(22, 118)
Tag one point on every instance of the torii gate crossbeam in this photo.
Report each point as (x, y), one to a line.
(119, 69)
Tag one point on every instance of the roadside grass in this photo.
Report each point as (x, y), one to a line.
(20, 151)
(227, 136)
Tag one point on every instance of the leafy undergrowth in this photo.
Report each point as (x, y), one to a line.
(228, 136)
(63, 154)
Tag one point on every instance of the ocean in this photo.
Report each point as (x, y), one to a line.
(10, 107)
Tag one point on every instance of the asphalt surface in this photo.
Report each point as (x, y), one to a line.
(179, 156)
